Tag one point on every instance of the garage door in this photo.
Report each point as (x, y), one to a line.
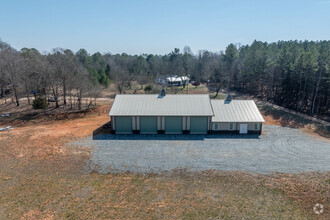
(148, 125)
(173, 125)
(123, 125)
(198, 125)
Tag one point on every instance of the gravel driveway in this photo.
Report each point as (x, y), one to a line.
(280, 149)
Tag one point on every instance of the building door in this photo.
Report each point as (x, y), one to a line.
(243, 128)
(173, 125)
(198, 125)
(123, 124)
(148, 125)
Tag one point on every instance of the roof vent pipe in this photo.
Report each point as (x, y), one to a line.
(163, 92)
(228, 98)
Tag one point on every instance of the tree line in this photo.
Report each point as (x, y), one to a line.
(293, 74)
(57, 75)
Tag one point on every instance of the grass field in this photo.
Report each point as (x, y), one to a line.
(42, 178)
(68, 194)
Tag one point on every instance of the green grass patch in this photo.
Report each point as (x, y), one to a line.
(219, 96)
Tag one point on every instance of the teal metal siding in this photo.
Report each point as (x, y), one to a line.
(123, 124)
(148, 125)
(198, 125)
(173, 125)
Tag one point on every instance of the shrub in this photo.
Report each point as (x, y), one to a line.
(40, 103)
(147, 88)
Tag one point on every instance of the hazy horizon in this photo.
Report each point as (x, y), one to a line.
(157, 27)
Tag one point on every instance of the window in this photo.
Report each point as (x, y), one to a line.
(256, 126)
(216, 126)
(231, 126)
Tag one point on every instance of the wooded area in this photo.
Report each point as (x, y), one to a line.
(293, 74)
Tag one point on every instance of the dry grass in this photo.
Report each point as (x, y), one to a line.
(204, 195)
(41, 178)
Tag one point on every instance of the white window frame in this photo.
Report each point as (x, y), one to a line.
(230, 126)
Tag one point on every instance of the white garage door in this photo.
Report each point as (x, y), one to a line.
(243, 128)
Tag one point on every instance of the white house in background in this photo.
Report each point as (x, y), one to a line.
(172, 80)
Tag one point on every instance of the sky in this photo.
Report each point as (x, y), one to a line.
(159, 26)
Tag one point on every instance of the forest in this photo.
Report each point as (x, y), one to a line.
(292, 74)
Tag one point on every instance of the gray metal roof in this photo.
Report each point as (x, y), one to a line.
(156, 105)
(236, 111)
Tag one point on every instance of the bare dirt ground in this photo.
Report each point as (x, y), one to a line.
(42, 178)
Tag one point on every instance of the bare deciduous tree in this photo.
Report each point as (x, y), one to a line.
(123, 74)
(14, 69)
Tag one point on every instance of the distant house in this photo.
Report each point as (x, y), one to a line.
(183, 114)
(172, 80)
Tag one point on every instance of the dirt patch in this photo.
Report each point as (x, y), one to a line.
(47, 136)
(274, 116)
(41, 178)
(37, 214)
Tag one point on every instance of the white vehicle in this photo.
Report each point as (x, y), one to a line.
(6, 128)
(52, 99)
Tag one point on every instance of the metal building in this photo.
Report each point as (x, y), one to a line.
(236, 116)
(169, 114)
(183, 114)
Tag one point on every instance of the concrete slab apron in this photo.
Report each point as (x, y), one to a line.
(278, 150)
